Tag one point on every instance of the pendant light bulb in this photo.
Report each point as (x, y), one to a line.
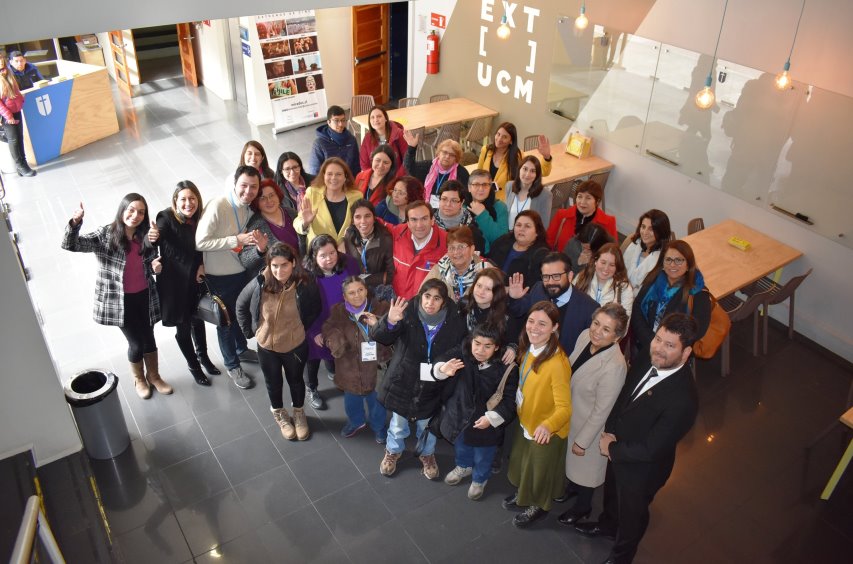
(582, 21)
(503, 29)
(783, 79)
(705, 98)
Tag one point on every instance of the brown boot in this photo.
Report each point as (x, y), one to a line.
(282, 419)
(152, 365)
(389, 463)
(300, 421)
(143, 390)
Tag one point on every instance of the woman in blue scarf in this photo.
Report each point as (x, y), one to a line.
(674, 285)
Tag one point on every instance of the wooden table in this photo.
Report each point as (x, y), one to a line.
(727, 269)
(565, 166)
(847, 419)
(434, 114)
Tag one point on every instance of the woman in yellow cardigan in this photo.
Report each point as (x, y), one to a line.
(325, 207)
(544, 404)
(502, 157)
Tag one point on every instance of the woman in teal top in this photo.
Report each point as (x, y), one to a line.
(490, 213)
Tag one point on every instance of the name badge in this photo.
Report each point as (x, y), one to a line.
(433, 201)
(426, 372)
(364, 276)
(519, 398)
(368, 351)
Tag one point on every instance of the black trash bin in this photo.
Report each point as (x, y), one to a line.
(97, 411)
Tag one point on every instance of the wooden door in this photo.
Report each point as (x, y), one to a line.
(370, 51)
(185, 45)
(122, 75)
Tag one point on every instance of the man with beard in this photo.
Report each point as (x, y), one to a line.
(576, 308)
(656, 408)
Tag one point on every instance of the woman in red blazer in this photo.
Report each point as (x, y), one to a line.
(568, 222)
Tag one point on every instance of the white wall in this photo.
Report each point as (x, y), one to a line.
(334, 30)
(34, 412)
(213, 55)
(418, 30)
(257, 93)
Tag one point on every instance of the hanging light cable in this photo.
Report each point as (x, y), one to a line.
(705, 98)
(582, 21)
(783, 81)
(503, 29)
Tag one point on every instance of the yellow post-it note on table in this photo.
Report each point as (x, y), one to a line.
(739, 243)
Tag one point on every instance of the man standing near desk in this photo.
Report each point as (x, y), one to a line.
(26, 74)
(656, 408)
(333, 140)
(576, 308)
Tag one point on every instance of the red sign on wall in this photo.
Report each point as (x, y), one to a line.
(437, 20)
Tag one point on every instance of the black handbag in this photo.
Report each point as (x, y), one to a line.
(211, 309)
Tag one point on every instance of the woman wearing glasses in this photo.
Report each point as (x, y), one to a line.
(675, 285)
(406, 190)
(443, 168)
(461, 263)
(273, 222)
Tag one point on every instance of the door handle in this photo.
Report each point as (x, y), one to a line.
(357, 60)
(186, 38)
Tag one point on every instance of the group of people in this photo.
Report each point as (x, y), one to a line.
(16, 74)
(456, 305)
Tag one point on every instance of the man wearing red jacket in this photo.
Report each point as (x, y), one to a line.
(418, 245)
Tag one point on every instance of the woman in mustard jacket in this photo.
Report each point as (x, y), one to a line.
(502, 157)
(544, 401)
(325, 207)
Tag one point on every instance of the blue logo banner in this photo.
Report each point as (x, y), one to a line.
(46, 110)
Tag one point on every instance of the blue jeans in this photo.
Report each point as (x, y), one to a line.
(398, 430)
(231, 339)
(354, 408)
(478, 458)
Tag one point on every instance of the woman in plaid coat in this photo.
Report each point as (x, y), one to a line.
(125, 292)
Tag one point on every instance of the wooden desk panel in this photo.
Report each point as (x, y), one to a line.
(727, 269)
(434, 114)
(565, 166)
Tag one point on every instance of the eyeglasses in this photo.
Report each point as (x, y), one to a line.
(480, 184)
(677, 261)
(554, 277)
(268, 197)
(291, 168)
(338, 121)
(457, 248)
(449, 200)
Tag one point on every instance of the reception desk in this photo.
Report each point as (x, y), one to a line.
(67, 114)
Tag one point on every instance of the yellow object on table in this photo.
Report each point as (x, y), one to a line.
(847, 419)
(739, 243)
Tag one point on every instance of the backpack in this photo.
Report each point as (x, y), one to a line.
(718, 329)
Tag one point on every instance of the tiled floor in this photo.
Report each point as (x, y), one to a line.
(208, 477)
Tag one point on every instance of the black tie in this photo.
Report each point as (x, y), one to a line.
(653, 373)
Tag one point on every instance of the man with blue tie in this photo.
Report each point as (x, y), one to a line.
(656, 408)
(576, 308)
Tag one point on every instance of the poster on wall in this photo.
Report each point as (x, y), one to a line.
(294, 71)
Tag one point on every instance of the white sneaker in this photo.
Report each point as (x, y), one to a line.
(475, 491)
(456, 475)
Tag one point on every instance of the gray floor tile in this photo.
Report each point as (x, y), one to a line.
(247, 457)
(214, 521)
(301, 537)
(325, 471)
(174, 444)
(339, 512)
(158, 541)
(271, 495)
(232, 421)
(247, 549)
(193, 480)
(386, 543)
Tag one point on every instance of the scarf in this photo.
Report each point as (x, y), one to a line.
(453, 221)
(660, 293)
(459, 281)
(339, 138)
(296, 193)
(434, 319)
(356, 311)
(432, 176)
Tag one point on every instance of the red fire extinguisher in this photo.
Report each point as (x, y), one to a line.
(432, 53)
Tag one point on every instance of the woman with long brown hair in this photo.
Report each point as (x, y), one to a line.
(605, 278)
(502, 157)
(11, 104)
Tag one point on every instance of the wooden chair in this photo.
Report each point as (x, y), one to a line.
(694, 225)
(601, 180)
(408, 102)
(438, 98)
(847, 419)
(476, 134)
(776, 294)
(738, 310)
(359, 106)
(531, 142)
(421, 151)
(447, 131)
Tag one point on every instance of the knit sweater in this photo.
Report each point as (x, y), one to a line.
(216, 235)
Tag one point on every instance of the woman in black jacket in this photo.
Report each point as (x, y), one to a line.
(371, 244)
(278, 307)
(522, 249)
(421, 331)
(178, 281)
(475, 430)
(291, 177)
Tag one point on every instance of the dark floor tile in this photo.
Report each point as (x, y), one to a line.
(214, 521)
(225, 424)
(301, 537)
(407, 490)
(440, 529)
(271, 495)
(159, 541)
(506, 543)
(89, 545)
(159, 412)
(174, 444)
(325, 471)
(352, 511)
(247, 549)
(193, 480)
(247, 457)
(321, 438)
(386, 543)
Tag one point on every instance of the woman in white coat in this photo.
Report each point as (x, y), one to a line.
(598, 373)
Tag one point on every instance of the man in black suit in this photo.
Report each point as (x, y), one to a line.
(656, 408)
(576, 308)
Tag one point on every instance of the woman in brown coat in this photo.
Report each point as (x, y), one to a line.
(357, 358)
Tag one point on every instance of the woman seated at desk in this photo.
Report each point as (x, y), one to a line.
(568, 222)
(502, 157)
(526, 192)
(445, 166)
(645, 245)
